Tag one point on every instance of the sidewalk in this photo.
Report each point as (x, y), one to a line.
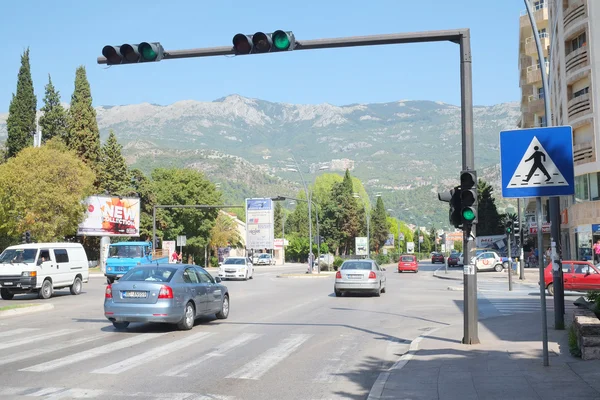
(506, 365)
(532, 275)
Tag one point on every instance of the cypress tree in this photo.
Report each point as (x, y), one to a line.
(83, 135)
(54, 121)
(21, 122)
(114, 176)
(489, 220)
(379, 225)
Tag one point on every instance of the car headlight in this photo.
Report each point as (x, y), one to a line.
(29, 273)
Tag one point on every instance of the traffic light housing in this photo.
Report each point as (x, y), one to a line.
(262, 42)
(509, 228)
(27, 237)
(452, 196)
(133, 53)
(468, 197)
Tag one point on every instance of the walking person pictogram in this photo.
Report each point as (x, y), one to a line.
(539, 158)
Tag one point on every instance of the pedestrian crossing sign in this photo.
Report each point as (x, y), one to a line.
(537, 162)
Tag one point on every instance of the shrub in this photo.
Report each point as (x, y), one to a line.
(337, 262)
(382, 259)
(214, 262)
(573, 345)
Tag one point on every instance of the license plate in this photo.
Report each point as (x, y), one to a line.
(137, 295)
(8, 283)
(355, 276)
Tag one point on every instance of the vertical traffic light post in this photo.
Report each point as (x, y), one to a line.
(509, 235)
(280, 41)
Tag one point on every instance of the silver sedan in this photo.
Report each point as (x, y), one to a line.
(170, 293)
(360, 276)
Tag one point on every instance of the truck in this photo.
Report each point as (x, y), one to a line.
(123, 256)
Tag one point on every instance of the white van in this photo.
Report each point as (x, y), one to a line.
(41, 268)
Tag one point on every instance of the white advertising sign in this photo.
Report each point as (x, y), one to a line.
(169, 245)
(111, 216)
(361, 246)
(259, 224)
(410, 247)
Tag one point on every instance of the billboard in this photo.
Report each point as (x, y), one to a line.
(259, 224)
(111, 216)
(390, 240)
(361, 246)
(410, 247)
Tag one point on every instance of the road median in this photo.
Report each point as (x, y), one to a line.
(20, 309)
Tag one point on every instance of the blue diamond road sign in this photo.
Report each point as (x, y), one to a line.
(537, 162)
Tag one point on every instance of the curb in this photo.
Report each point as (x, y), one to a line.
(378, 387)
(26, 310)
(435, 273)
(307, 276)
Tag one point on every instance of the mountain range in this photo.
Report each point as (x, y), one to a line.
(405, 151)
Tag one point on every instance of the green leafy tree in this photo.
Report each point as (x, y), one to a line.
(379, 227)
(115, 177)
(42, 190)
(489, 221)
(141, 186)
(433, 238)
(225, 233)
(21, 123)
(53, 122)
(83, 135)
(278, 215)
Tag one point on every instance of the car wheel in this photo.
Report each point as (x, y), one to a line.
(76, 286)
(6, 294)
(246, 277)
(121, 325)
(378, 291)
(416, 270)
(110, 281)
(189, 316)
(550, 289)
(383, 289)
(224, 313)
(338, 293)
(505, 264)
(498, 268)
(46, 290)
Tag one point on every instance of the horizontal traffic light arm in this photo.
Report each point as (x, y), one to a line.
(455, 36)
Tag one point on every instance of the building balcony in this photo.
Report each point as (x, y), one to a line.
(584, 153)
(534, 74)
(574, 15)
(579, 106)
(527, 120)
(536, 104)
(531, 48)
(540, 15)
(577, 59)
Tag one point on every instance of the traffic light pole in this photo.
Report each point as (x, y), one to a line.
(463, 39)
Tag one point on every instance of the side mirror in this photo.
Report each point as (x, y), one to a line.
(383, 269)
(218, 279)
(39, 262)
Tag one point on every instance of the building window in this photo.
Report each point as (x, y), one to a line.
(595, 186)
(578, 42)
(538, 5)
(540, 92)
(581, 92)
(541, 121)
(582, 192)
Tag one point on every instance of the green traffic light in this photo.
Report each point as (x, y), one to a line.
(468, 214)
(281, 41)
(147, 52)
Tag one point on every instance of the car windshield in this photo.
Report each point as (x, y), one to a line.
(125, 251)
(408, 258)
(151, 274)
(18, 256)
(264, 256)
(357, 265)
(234, 261)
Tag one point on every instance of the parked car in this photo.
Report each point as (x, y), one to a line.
(437, 257)
(488, 261)
(263, 259)
(42, 268)
(578, 276)
(408, 262)
(167, 293)
(453, 259)
(360, 276)
(236, 268)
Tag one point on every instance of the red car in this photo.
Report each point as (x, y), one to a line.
(437, 257)
(578, 276)
(453, 259)
(408, 262)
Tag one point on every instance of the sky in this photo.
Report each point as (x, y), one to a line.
(63, 34)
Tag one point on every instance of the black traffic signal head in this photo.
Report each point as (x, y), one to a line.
(262, 42)
(468, 197)
(452, 196)
(509, 227)
(516, 227)
(133, 53)
(27, 237)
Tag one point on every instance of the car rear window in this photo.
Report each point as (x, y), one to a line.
(408, 258)
(149, 274)
(356, 265)
(235, 261)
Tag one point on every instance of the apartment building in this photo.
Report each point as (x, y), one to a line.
(574, 71)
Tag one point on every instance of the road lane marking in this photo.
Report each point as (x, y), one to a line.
(153, 354)
(58, 393)
(94, 352)
(48, 349)
(261, 365)
(15, 332)
(335, 363)
(220, 351)
(30, 339)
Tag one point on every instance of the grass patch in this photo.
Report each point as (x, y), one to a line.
(573, 346)
(95, 270)
(14, 306)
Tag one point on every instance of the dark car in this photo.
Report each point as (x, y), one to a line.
(454, 259)
(437, 257)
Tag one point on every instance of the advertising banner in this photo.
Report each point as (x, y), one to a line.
(169, 245)
(361, 246)
(259, 224)
(111, 216)
(410, 247)
(390, 240)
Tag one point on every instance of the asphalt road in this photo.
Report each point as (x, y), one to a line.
(285, 338)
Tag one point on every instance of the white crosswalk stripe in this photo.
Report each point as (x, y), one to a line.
(16, 332)
(262, 364)
(153, 354)
(60, 393)
(94, 352)
(334, 364)
(36, 338)
(182, 370)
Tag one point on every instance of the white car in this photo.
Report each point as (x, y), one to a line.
(488, 261)
(263, 259)
(236, 268)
